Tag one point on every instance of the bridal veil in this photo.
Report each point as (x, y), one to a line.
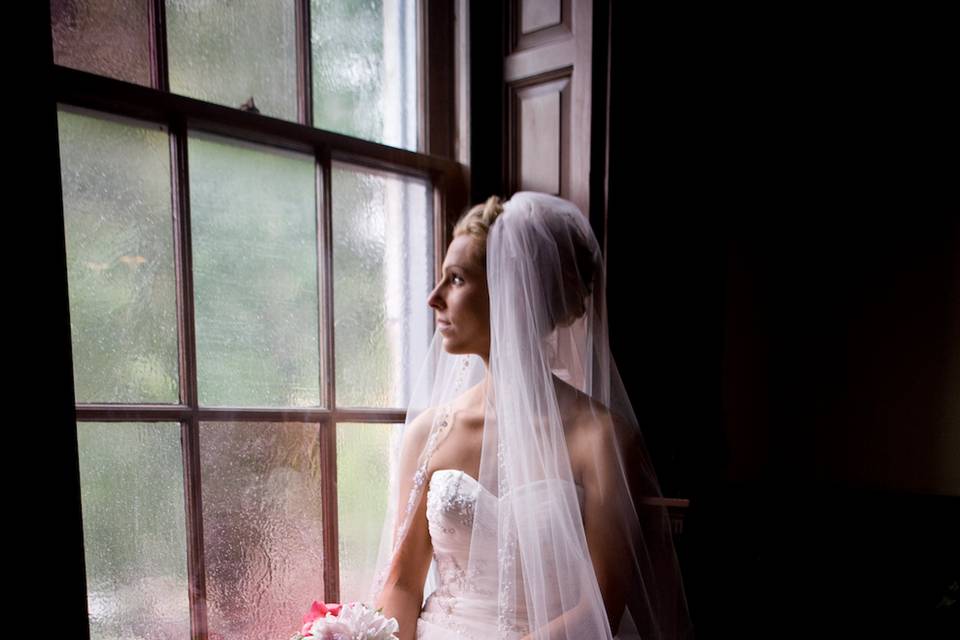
(611, 571)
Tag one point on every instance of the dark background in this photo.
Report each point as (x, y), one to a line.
(784, 282)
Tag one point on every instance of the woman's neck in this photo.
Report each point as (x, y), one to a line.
(475, 396)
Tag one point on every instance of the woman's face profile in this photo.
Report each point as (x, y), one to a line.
(461, 301)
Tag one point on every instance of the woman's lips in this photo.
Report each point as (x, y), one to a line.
(442, 326)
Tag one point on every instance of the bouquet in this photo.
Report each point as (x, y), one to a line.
(352, 621)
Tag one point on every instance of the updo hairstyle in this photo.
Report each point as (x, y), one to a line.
(579, 256)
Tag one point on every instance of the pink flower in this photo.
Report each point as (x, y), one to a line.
(318, 610)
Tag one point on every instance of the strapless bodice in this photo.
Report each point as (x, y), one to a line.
(467, 604)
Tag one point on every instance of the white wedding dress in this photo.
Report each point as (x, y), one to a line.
(464, 607)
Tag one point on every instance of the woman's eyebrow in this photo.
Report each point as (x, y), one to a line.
(454, 265)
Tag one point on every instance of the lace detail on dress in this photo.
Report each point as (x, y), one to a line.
(432, 442)
(450, 500)
(445, 618)
(507, 610)
(420, 476)
(506, 558)
(452, 497)
(451, 504)
(441, 605)
(468, 600)
(402, 521)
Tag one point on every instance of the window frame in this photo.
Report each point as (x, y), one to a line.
(182, 114)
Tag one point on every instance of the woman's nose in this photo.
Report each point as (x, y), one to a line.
(433, 300)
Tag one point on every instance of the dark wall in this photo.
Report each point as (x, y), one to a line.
(487, 101)
(44, 517)
(784, 295)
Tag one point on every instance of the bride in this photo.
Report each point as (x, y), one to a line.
(522, 501)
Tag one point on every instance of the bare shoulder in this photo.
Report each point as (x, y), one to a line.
(418, 430)
(593, 421)
(587, 423)
(424, 419)
(599, 431)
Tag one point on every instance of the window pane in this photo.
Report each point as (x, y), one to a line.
(383, 266)
(118, 230)
(108, 37)
(228, 51)
(253, 212)
(262, 526)
(364, 62)
(134, 530)
(363, 460)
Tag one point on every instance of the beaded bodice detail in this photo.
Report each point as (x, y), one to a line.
(452, 498)
(461, 602)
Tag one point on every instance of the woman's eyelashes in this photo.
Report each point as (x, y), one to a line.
(453, 277)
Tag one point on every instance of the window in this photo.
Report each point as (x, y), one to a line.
(252, 229)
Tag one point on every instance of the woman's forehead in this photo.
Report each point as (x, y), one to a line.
(464, 252)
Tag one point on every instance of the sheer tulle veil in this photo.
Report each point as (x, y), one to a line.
(553, 390)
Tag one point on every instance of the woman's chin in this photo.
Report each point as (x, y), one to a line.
(455, 348)
(452, 348)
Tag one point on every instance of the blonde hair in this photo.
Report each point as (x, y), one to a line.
(477, 221)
